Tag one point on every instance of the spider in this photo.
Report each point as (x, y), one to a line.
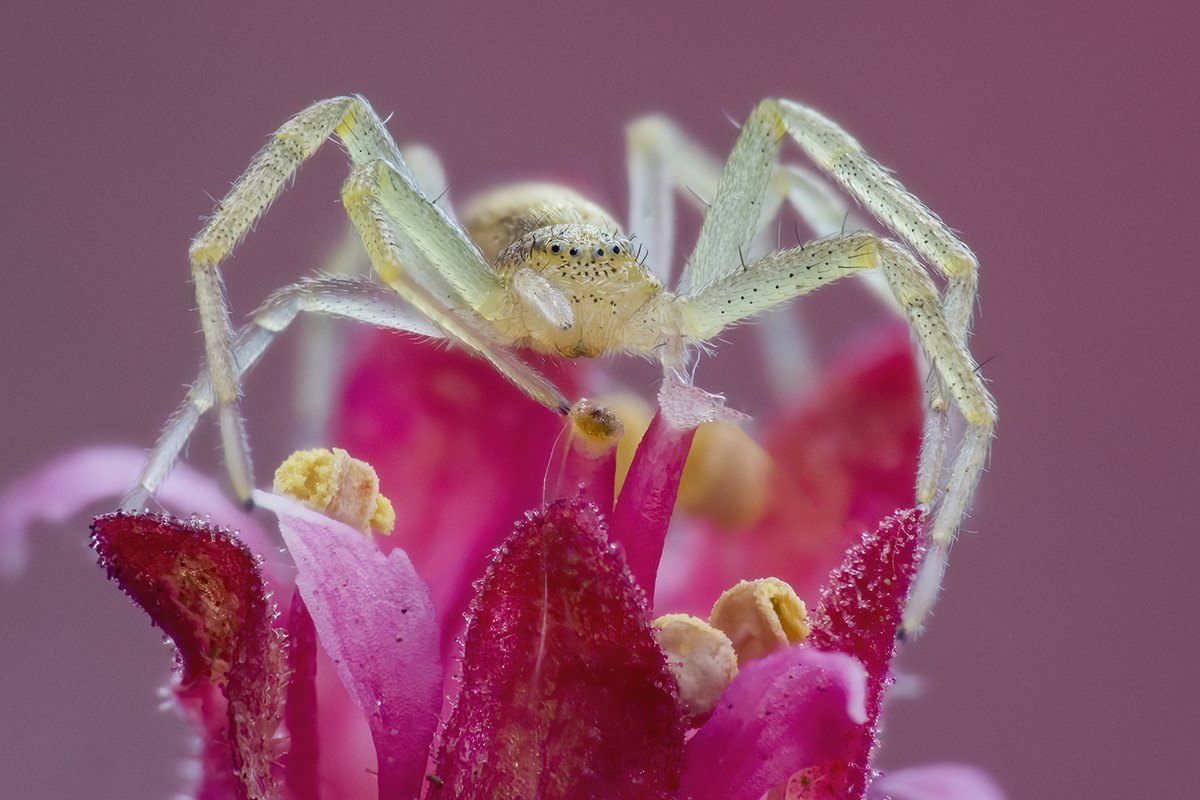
(540, 266)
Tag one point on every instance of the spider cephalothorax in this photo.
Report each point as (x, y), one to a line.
(541, 267)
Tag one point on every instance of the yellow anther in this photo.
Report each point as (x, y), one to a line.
(341, 487)
(760, 617)
(595, 430)
(700, 657)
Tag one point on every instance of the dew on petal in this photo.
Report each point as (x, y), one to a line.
(203, 588)
(565, 692)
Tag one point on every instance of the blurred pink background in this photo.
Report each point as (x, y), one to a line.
(1060, 142)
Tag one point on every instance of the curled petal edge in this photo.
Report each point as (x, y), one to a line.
(792, 710)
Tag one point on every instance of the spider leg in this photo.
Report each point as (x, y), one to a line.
(466, 281)
(663, 159)
(404, 239)
(772, 280)
(781, 276)
(835, 152)
(320, 340)
(957, 377)
(359, 300)
(744, 187)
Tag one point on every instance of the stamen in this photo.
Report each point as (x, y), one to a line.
(595, 430)
(337, 485)
(700, 657)
(760, 617)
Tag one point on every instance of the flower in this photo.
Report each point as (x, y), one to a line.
(327, 678)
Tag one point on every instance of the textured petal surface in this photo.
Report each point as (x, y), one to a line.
(843, 460)
(863, 599)
(565, 693)
(461, 453)
(70, 483)
(936, 782)
(783, 713)
(203, 588)
(858, 615)
(374, 618)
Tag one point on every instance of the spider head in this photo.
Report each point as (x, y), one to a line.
(593, 274)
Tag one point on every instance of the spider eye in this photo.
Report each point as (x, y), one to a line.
(574, 251)
(554, 248)
(616, 249)
(599, 251)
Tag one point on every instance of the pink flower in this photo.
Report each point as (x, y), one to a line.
(329, 678)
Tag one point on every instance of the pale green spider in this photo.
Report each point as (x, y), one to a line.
(539, 266)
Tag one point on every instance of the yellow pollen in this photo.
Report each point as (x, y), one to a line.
(594, 428)
(337, 485)
(760, 617)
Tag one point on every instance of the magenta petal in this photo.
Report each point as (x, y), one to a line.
(789, 711)
(936, 782)
(843, 459)
(203, 588)
(861, 605)
(858, 615)
(565, 692)
(643, 510)
(375, 619)
(68, 484)
(459, 451)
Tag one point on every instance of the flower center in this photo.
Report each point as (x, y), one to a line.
(338, 486)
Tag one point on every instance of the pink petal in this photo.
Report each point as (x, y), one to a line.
(935, 782)
(565, 693)
(793, 709)
(858, 615)
(863, 599)
(643, 511)
(375, 619)
(843, 460)
(203, 588)
(67, 485)
(460, 452)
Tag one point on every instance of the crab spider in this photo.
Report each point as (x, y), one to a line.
(539, 266)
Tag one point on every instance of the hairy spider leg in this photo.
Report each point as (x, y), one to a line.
(346, 298)
(737, 208)
(429, 237)
(320, 340)
(664, 160)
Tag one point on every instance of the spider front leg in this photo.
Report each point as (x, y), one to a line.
(320, 341)
(741, 194)
(417, 248)
(269, 171)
